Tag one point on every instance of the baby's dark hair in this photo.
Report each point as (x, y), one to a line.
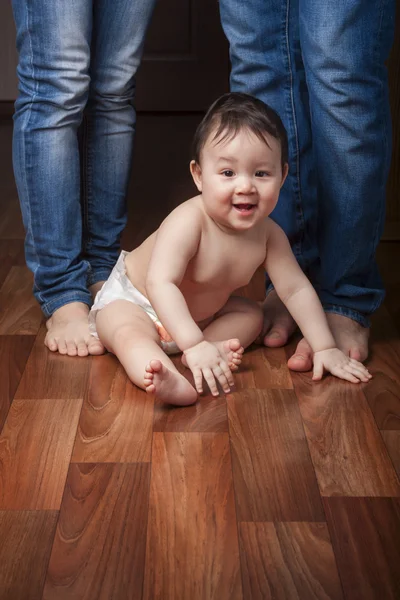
(235, 111)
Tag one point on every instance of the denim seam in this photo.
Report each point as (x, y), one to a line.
(355, 315)
(299, 211)
(26, 169)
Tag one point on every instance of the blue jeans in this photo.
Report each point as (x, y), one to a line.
(75, 56)
(320, 65)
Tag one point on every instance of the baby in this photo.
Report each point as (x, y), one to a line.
(175, 292)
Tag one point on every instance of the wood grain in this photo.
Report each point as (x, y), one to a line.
(99, 546)
(14, 352)
(383, 391)
(366, 538)
(19, 312)
(26, 540)
(347, 450)
(192, 545)
(279, 561)
(392, 443)
(11, 254)
(117, 417)
(50, 375)
(263, 368)
(35, 450)
(273, 474)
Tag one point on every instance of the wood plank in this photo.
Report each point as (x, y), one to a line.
(383, 391)
(116, 421)
(14, 352)
(392, 443)
(273, 473)
(52, 376)
(26, 540)
(35, 450)
(263, 368)
(366, 539)
(347, 450)
(279, 561)
(20, 314)
(192, 545)
(99, 546)
(11, 254)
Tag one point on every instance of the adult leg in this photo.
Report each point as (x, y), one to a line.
(129, 333)
(344, 51)
(119, 28)
(53, 41)
(266, 62)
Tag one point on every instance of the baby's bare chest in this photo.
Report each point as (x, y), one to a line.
(223, 262)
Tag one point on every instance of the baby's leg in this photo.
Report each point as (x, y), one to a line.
(129, 333)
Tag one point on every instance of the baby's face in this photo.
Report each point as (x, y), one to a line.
(239, 179)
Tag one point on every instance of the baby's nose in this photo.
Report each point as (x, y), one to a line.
(244, 185)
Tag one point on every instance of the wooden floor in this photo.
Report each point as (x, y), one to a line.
(284, 489)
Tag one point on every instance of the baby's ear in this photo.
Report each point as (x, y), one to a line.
(196, 174)
(285, 171)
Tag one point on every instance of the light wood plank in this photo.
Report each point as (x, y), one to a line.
(346, 447)
(279, 562)
(273, 473)
(20, 314)
(99, 546)
(117, 417)
(50, 375)
(192, 545)
(263, 368)
(366, 539)
(35, 450)
(26, 539)
(14, 352)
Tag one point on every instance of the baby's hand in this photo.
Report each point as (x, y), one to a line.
(337, 363)
(205, 360)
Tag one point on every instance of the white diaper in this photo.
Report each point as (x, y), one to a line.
(119, 287)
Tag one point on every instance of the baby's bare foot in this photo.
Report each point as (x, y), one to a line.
(68, 331)
(168, 386)
(232, 351)
(351, 337)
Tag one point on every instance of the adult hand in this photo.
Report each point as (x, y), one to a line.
(205, 360)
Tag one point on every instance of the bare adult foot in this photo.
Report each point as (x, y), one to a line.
(351, 338)
(278, 322)
(68, 331)
(168, 386)
(231, 350)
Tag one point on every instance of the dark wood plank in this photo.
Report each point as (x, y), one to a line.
(99, 547)
(35, 450)
(20, 313)
(117, 417)
(26, 540)
(192, 545)
(392, 443)
(14, 352)
(263, 368)
(347, 450)
(50, 375)
(366, 539)
(279, 561)
(11, 254)
(383, 391)
(273, 473)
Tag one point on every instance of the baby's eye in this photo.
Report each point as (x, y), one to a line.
(228, 173)
(262, 174)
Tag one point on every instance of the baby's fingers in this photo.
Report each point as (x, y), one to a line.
(359, 371)
(343, 373)
(198, 380)
(227, 372)
(209, 377)
(220, 375)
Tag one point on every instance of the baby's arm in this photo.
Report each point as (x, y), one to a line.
(301, 300)
(177, 242)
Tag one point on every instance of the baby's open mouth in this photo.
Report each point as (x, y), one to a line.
(244, 207)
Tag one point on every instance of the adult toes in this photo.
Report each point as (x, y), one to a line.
(276, 337)
(302, 358)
